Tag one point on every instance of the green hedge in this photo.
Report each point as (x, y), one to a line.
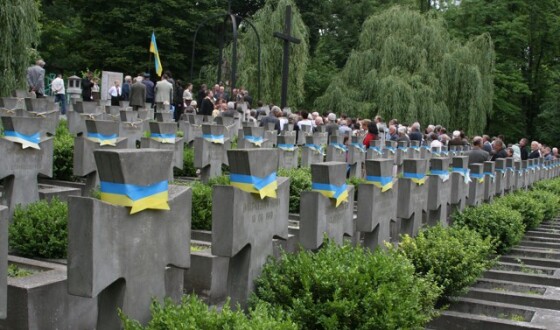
(504, 225)
(549, 202)
(188, 164)
(531, 211)
(454, 257)
(192, 313)
(63, 154)
(202, 202)
(347, 288)
(300, 180)
(552, 186)
(40, 229)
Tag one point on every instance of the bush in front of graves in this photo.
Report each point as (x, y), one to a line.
(300, 180)
(504, 225)
(202, 202)
(40, 229)
(192, 313)
(552, 186)
(345, 287)
(63, 154)
(453, 257)
(188, 164)
(549, 202)
(530, 210)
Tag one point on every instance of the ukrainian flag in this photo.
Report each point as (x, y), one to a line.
(154, 50)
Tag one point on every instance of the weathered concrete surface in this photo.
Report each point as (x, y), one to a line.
(412, 196)
(210, 151)
(176, 145)
(439, 189)
(3, 260)
(287, 151)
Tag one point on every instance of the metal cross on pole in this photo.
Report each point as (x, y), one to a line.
(288, 38)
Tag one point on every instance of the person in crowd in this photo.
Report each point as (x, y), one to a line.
(393, 134)
(456, 141)
(57, 87)
(499, 150)
(202, 93)
(344, 129)
(272, 118)
(331, 124)
(477, 154)
(305, 120)
(415, 134)
(403, 136)
(535, 152)
(95, 89)
(523, 148)
(36, 78)
(87, 85)
(187, 93)
(115, 93)
(435, 142)
(486, 144)
(149, 89)
(516, 152)
(163, 93)
(207, 106)
(548, 153)
(372, 134)
(138, 94)
(126, 88)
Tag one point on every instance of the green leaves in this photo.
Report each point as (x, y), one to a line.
(300, 180)
(531, 210)
(63, 155)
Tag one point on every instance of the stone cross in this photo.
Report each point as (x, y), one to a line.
(500, 170)
(336, 150)
(328, 208)
(390, 150)
(377, 203)
(271, 135)
(510, 175)
(245, 223)
(417, 151)
(475, 196)
(403, 152)
(460, 180)
(321, 135)
(439, 189)
(525, 167)
(232, 125)
(519, 176)
(82, 111)
(12, 103)
(287, 152)
(210, 151)
(39, 105)
(356, 157)
(101, 134)
(113, 110)
(191, 127)
(131, 127)
(305, 131)
(119, 257)
(164, 116)
(163, 136)
(288, 38)
(21, 162)
(252, 138)
(375, 150)
(412, 196)
(3, 261)
(311, 152)
(489, 181)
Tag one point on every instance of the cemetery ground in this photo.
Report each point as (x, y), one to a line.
(239, 231)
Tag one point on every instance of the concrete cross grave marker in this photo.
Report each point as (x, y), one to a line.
(271, 135)
(164, 116)
(311, 152)
(416, 150)
(80, 113)
(510, 176)
(412, 196)
(252, 138)
(40, 104)
(305, 131)
(191, 127)
(489, 181)
(3, 261)
(12, 103)
(232, 125)
(321, 135)
(287, 152)
(128, 116)
(356, 157)
(336, 150)
(113, 110)
(328, 208)
(210, 151)
(460, 179)
(475, 196)
(163, 136)
(390, 150)
(252, 211)
(403, 152)
(26, 153)
(439, 189)
(519, 176)
(287, 37)
(100, 134)
(375, 150)
(525, 167)
(500, 170)
(377, 204)
(120, 246)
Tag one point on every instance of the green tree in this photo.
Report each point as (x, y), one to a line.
(406, 66)
(19, 23)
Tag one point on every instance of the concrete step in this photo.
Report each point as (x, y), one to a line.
(534, 253)
(543, 245)
(520, 277)
(523, 268)
(542, 239)
(542, 262)
(530, 298)
(537, 233)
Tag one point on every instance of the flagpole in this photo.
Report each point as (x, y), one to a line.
(149, 56)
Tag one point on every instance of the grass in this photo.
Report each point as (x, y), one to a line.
(198, 248)
(15, 271)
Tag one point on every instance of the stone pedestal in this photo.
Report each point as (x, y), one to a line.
(321, 136)
(287, 152)
(439, 190)
(245, 223)
(356, 157)
(271, 135)
(336, 150)
(510, 176)
(210, 151)
(122, 258)
(328, 208)
(375, 150)
(191, 127)
(377, 204)
(164, 116)
(80, 113)
(489, 181)
(163, 136)
(460, 180)
(412, 196)
(476, 186)
(390, 150)
(253, 137)
(501, 177)
(305, 131)
(311, 153)
(233, 125)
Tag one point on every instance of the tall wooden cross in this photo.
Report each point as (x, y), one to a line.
(288, 38)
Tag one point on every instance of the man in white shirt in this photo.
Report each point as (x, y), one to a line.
(115, 93)
(57, 86)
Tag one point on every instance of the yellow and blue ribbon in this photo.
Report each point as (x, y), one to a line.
(286, 146)
(26, 141)
(317, 148)
(478, 177)
(490, 174)
(104, 140)
(464, 172)
(359, 146)
(428, 148)
(415, 148)
(377, 150)
(445, 153)
(163, 138)
(382, 182)
(339, 146)
(264, 187)
(418, 178)
(338, 193)
(140, 198)
(256, 140)
(218, 139)
(391, 149)
(404, 149)
(443, 174)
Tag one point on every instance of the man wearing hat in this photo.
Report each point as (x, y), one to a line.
(36, 78)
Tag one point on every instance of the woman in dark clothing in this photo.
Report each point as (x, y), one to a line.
(372, 134)
(207, 106)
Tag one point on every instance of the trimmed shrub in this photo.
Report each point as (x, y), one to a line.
(342, 287)
(300, 180)
(453, 257)
(188, 164)
(530, 210)
(552, 186)
(202, 202)
(63, 153)
(192, 313)
(40, 229)
(549, 202)
(504, 225)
